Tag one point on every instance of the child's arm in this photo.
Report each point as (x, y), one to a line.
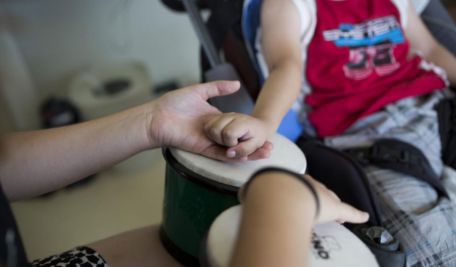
(281, 44)
(280, 24)
(421, 40)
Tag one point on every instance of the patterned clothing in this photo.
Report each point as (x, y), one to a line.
(359, 61)
(410, 209)
(78, 257)
(12, 253)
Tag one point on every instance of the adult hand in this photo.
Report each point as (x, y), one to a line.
(281, 183)
(333, 209)
(178, 119)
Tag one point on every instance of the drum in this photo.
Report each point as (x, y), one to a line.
(332, 244)
(197, 189)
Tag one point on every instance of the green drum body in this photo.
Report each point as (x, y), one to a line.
(191, 204)
(198, 189)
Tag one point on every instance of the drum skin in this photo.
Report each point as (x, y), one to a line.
(331, 245)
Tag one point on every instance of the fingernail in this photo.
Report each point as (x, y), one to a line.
(231, 153)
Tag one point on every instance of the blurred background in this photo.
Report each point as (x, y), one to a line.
(66, 61)
(50, 42)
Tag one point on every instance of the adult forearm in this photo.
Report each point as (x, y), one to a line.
(279, 210)
(278, 93)
(278, 214)
(33, 163)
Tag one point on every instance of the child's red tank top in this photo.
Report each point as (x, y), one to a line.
(358, 62)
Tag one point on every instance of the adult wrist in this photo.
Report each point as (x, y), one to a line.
(267, 172)
(148, 111)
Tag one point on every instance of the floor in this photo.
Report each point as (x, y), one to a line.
(125, 197)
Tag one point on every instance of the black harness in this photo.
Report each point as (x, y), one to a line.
(446, 110)
(401, 157)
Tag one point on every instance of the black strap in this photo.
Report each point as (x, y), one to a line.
(388, 255)
(401, 157)
(446, 111)
(328, 165)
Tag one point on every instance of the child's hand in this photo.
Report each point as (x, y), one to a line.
(243, 134)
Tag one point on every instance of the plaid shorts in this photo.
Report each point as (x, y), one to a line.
(411, 209)
(80, 256)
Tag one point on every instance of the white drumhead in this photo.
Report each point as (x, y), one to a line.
(285, 154)
(332, 244)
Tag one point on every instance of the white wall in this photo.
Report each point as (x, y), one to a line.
(60, 37)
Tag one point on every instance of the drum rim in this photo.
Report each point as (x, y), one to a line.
(176, 252)
(197, 178)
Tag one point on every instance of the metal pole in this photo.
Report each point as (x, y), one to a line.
(202, 33)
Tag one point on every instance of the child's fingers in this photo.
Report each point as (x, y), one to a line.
(218, 153)
(244, 149)
(234, 132)
(215, 127)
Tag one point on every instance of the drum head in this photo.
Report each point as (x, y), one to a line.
(285, 154)
(332, 244)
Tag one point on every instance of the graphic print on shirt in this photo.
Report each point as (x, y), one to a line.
(370, 44)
